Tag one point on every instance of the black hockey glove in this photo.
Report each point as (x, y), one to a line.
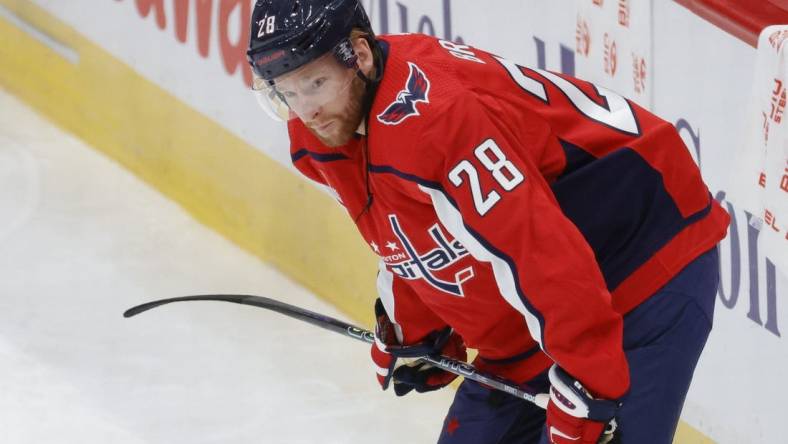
(401, 362)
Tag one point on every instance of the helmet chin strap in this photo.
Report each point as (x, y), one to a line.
(366, 105)
(371, 84)
(366, 102)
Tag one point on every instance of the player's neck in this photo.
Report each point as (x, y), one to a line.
(362, 129)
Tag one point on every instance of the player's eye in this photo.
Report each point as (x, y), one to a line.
(317, 83)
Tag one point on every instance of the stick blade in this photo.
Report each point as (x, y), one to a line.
(133, 311)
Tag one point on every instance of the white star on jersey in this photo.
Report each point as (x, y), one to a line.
(392, 246)
(375, 247)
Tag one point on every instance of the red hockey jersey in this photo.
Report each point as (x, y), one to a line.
(528, 210)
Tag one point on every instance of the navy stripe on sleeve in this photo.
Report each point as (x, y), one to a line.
(320, 157)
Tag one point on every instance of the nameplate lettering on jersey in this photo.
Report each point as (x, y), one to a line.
(411, 265)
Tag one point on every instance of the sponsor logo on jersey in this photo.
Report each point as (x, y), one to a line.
(416, 90)
(410, 264)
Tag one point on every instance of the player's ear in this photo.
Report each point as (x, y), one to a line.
(364, 53)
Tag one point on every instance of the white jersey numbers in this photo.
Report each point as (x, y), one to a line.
(504, 172)
(528, 84)
(494, 160)
(483, 203)
(616, 113)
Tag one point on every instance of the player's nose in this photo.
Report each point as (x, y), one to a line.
(308, 112)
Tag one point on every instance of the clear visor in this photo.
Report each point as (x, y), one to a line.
(303, 92)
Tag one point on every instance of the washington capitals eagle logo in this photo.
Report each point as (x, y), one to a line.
(416, 90)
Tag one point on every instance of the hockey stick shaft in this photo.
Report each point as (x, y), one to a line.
(328, 323)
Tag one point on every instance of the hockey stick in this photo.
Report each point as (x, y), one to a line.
(326, 322)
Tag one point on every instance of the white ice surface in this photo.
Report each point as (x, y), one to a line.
(81, 240)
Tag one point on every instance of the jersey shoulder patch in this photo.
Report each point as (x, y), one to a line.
(417, 89)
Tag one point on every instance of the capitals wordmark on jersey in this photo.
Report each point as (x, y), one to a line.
(412, 264)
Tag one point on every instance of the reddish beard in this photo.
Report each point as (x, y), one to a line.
(346, 121)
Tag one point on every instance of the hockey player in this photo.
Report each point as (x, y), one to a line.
(556, 227)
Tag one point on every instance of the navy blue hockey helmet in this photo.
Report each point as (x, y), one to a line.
(287, 34)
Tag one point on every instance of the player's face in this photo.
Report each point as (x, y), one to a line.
(327, 97)
(337, 122)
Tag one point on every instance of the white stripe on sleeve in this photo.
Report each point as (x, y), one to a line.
(385, 286)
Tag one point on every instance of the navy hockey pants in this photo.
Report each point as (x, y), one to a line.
(663, 339)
